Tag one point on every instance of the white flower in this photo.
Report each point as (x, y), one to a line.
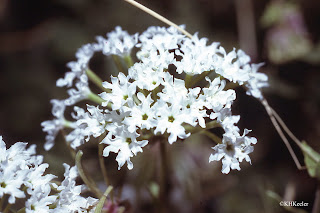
(142, 116)
(21, 172)
(79, 67)
(122, 91)
(21, 167)
(70, 200)
(228, 121)
(125, 144)
(87, 124)
(37, 179)
(216, 98)
(196, 56)
(174, 90)
(80, 93)
(149, 74)
(40, 200)
(234, 149)
(256, 82)
(159, 60)
(119, 42)
(11, 180)
(158, 38)
(154, 99)
(54, 126)
(193, 106)
(13, 169)
(170, 119)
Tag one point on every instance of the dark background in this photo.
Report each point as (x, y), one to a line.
(38, 38)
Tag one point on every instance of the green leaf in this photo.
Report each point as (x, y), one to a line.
(312, 160)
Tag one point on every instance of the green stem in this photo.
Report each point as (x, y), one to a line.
(68, 124)
(128, 60)
(164, 181)
(22, 210)
(6, 210)
(95, 98)
(117, 61)
(72, 151)
(2, 201)
(96, 79)
(210, 125)
(212, 136)
(86, 179)
(135, 99)
(102, 165)
(103, 200)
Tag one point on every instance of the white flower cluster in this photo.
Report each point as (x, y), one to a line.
(154, 99)
(22, 175)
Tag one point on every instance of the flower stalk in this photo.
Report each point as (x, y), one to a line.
(164, 178)
(212, 136)
(102, 200)
(118, 63)
(86, 179)
(96, 79)
(102, 164)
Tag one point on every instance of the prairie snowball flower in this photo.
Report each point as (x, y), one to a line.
(177, 87)
(233, 149)
(125, 144)
(70, 199)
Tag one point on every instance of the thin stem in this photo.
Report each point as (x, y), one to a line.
(280, 132)
(212, 124)
(102, 164)
(212, 136)
(157, 16)
(6, 210)
(22, 210)
(71, 150)
(286, 129)
(164, 181)
(316, 205)
(117, 61)
(96, 79)
(128, 60)
(103, 200)
(209, 125)
(1, 202)
(95, 98)
(135, 99)
(88, 181)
